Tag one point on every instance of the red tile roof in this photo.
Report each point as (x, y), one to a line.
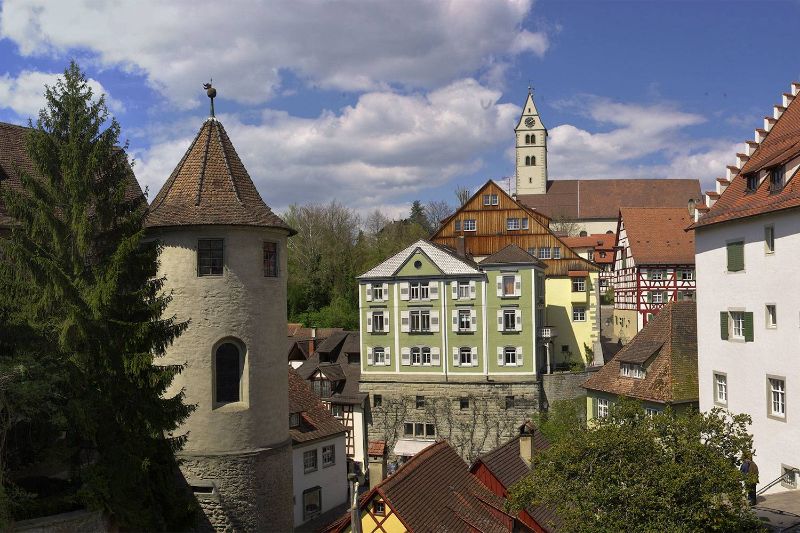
(602, 199)
(377, 448)
(781, 144)
(658, 236)
(669, 343)
(211, 186)
(316, 422)
(434, 491)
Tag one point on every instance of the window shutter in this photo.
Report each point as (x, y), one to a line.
(404, 325)
(474, 356)
(520, 362)
(369, 292)
(472, 289)
(517, 320)
(499, 280)
(434, 321)
(387, 356)
(433, 290)
(455, 319)
(748, 327)
(723, 325)
(594, 407)
(385, 291)
(386, 328)
(517, 285)
(499, 320)
(435, 359)
(473, 320)
(649, 297)
(454, 289)
(369, 322)
(405, 356)
(735, 256)
(370, 360)
(404, 291)
(455, 356)
(500, 359)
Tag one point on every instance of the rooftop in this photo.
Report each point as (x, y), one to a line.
(316, 422)
(658, 236)
(448, 262)
(331, 358)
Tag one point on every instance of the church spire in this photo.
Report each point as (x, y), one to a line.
(531, 150)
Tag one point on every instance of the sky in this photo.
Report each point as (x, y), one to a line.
(376, 104)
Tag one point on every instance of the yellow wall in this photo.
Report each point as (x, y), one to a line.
(392, 524)
(576, 335)
(626, 324)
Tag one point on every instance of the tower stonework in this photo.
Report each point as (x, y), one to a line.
(531, 150)
(224, 260)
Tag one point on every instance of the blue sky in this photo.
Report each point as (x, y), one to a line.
(377, 104)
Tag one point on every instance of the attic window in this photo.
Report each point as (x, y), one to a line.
(631, 370)
(294, 420)
(752, 181)
(776, 178)
(322, 387)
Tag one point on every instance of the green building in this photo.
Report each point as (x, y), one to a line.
(451, 348)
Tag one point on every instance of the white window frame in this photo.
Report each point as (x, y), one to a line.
(656, 275)
(771, 318)
(376, 352)
(426, 356)
(378, 318)
(463, 290)
(687, 275)
(464, 320)
(544, 252)
(495, 199)
(308, 464)
(602, 407)
(737, 324)
(512, 313)
(769, 239)
(328, 455)
(416, 356)
(510, 356)
(470, 224)
(525, 224)
(632, 370)
(513, 278)
(465, 356)
(579, 313)
(421, 289)
(656, 297)
(377, 292)
(512, 224)
(776, 397)
(720, 388)
(421, 316)
(651, 411)
(487, 199)
(556, 252)
(578, 284)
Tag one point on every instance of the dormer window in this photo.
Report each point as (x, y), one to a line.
(752, 181)
(776, 178)
(322, 387)
(631, 370)
(294, 420)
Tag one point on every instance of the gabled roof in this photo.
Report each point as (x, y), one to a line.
(781, 144)
(600, 242)
(507, 466)
(512, 254)
(316, 421)
(335, 350)
(602, 199)
(434, 491)
(211, 186)
(14, 156)
(658, 236)
(445, 260)
(668, 344)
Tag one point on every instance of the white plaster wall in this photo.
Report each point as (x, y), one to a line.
(766, 279)
(331, 479)
(243, 304)
(360, 437)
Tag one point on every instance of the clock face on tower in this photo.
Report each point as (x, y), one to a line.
(530, 121)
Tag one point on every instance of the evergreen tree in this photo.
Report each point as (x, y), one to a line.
(86, 294)
(418, 216)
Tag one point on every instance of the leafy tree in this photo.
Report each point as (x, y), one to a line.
(86, 318)
(631, 472)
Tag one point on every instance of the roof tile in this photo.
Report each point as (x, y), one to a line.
(658, 236)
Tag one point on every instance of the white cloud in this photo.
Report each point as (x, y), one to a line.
(644, 141)
(24, 94)
(349, 45)
(379, 151)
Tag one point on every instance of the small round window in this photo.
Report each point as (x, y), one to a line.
(417, 264)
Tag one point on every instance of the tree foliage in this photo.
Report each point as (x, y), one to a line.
(82, 306)
(332, 247)
(631, 472)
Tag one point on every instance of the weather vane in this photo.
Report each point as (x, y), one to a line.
(211, 92)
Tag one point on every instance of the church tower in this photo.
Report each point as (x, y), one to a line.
(224, 260)
(531, 150)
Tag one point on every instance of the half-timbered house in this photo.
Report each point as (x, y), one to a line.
(653, 265)
(492, 220)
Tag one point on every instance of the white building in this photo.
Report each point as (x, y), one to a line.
(748, 248)
(319, 461)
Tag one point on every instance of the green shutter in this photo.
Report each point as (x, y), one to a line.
(735, 256)
(748, 327)
(723, 325)
(649, 297)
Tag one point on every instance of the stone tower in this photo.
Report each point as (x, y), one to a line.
(224, 259)
(531, 150)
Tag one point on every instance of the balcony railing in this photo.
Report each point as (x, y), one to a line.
(548, 332)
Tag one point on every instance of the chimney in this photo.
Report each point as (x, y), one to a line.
(312, 342)
(460, 247)
(526, 442)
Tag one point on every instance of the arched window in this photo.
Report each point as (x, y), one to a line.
(527, 160)
(533, 139)
(533, 160)
(527, 139)
(228, 373)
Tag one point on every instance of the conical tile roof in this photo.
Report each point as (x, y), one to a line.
(210, 186)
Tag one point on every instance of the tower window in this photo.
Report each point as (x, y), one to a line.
(209, 257)
(271, 259)
(527, 139)
(530, 160)
(228, 369)
(532, 139)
